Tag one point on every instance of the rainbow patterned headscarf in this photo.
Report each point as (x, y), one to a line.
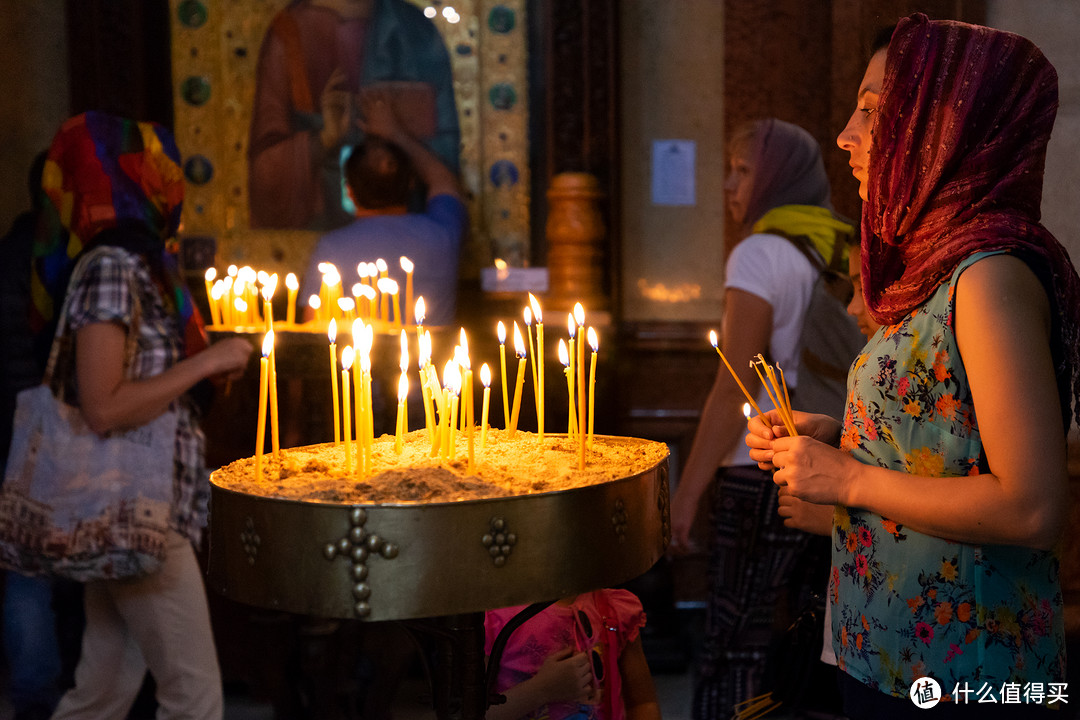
(102, 172)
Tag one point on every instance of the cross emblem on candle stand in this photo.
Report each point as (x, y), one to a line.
(358, 546)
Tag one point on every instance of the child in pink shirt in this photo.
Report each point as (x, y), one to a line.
(579, 658)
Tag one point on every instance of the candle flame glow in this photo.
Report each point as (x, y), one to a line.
(347, 357)
(332, 330)
(485, 375)
(267, 292)
(594, 339)
(367, 291)
(362, 270)
(500, 330)
(519, 342)
(564, 354)
(314, 302)
(346, 304)
(291, 282)
(406, 264)
(381, 265)
(452, 377)
(217, 291)
(387, 285)
(268, 343)
(403, 387)
(240, 304)
(528, 317)
(746, 410)
(535, 305)
(712, 338)
(232, 271)
(424, 342)
(420, 311)
(358, 289)
(571, 325)
(579, 314)
(211, 273)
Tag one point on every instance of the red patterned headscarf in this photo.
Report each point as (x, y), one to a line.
(105, 172)
(956, 168)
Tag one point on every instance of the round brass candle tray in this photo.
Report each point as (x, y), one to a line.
(398, 560)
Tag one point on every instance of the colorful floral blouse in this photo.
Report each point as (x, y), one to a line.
(907, 604)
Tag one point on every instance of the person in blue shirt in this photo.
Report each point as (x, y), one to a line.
(380, 174)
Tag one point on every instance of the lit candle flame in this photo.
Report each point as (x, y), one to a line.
(564, 354)
(571, 325)
(367, 292)
(406, 264)
(424, 349)
(464, 342)
(332, 330)
(362, 270)
(291, 282)
(387, 285)
(594, 340)
(218, 290)
(232, 271)
(579, 314)
(712, 338)
(357, 289)
(420, 311)
(348, 355)
(528, 317)
(268, 344)
(485, 375)
(381, 265)
(452, 377)
(314, 302)
(519, 342)
(346, 304)
(267, 292)
(403, 387)
(500, 330)
(263, 277)
(240, 304)
(535, 305)
(211, 273)
(746, 410)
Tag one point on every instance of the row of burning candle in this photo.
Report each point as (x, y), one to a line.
(234, 298)
(449, 403)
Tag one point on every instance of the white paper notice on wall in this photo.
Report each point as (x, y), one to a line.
(673, 180)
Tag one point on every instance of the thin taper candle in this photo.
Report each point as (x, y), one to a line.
(332, 334)
(501, 331)
(346, 397)
(485, 378)
(538, 315)
(260, 432)
(579, 316)
(594, 343)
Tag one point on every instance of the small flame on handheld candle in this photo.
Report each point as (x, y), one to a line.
(528, 317)
(712, 338)
(420, 311)
(746, 410)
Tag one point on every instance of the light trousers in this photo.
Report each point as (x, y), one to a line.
(159, 623)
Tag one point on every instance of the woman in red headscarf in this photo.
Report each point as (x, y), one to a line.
(950, 482)
(114, 190)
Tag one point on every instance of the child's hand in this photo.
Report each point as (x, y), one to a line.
(566, 677)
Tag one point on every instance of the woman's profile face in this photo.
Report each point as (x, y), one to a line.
(739, 182)
(856, 136)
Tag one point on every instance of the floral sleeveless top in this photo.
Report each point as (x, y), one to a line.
(907, 604)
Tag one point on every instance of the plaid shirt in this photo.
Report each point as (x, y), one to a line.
(104, 294)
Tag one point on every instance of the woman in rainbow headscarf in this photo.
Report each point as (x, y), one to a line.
(115, 187)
